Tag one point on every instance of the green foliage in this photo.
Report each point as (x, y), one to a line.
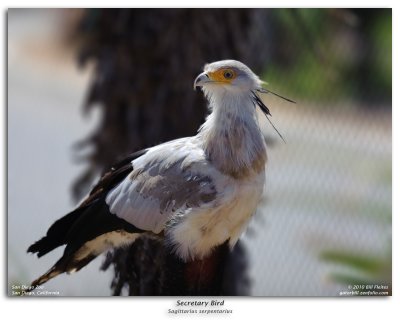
(369, 265)
(381, 64)
(333, 55)
(359, 269)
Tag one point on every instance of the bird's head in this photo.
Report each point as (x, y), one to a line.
(233, 80)
(227, 75)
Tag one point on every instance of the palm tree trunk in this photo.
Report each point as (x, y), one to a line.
(145, 63)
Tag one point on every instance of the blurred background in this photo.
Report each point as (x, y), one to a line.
(86, 86)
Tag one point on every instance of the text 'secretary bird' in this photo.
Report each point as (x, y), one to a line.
(194, 193)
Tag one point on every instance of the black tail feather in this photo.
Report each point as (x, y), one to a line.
(53, 272)
(56, 235)
(65, 264)
(90, 220)
(75, 230)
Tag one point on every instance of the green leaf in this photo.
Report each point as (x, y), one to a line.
(369, 264)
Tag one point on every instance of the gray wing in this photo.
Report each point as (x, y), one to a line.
(169, 178)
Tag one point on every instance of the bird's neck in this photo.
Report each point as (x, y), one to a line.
(231, 136)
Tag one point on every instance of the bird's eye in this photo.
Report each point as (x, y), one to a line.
(228, 74)
(223, 75)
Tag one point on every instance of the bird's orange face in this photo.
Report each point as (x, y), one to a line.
(226, 75)
(223, 75)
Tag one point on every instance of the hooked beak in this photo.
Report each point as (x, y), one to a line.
(201, 79)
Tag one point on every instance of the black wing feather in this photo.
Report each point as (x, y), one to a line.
(64, 229)
(94, 221)
(55, 236)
